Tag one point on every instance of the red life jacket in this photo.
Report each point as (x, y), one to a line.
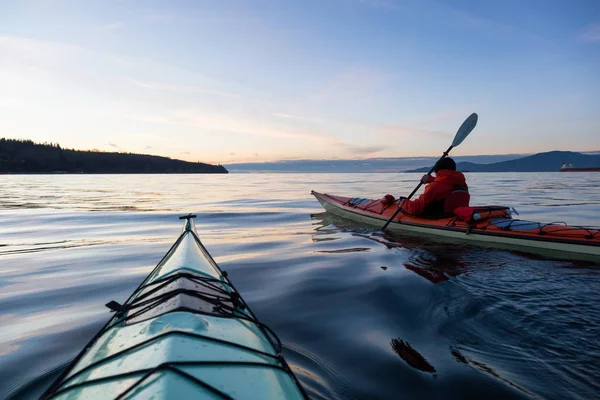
(448, 191)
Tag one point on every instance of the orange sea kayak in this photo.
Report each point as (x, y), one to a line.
(488, 225)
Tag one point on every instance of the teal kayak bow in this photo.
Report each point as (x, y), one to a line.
(185, 332)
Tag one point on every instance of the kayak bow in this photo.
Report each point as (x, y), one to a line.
(185, 332)
(555, 239)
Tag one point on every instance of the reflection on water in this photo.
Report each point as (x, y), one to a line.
(486, 369)
(411, 356)
(361, 314)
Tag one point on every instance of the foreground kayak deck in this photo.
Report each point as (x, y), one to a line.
(557, 238)
(184, 333)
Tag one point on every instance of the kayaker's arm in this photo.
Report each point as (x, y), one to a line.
(417, 206)
(414, 207)
(427, 178)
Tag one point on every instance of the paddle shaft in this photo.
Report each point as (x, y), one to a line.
(416, 189)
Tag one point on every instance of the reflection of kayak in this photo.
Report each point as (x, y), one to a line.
(184, 333)
(486, 225)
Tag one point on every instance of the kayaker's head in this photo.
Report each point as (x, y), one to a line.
(445, 163)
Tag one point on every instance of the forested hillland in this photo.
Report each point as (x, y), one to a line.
(25, 156)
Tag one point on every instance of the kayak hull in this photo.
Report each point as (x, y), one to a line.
(184, 333)
(564, 246)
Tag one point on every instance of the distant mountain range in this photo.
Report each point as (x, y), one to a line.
(541, 162)
(354, 166)
(25, 156)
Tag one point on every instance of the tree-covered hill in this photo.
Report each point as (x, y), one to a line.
(25, 156)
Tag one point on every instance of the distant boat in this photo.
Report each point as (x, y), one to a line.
(571, 168)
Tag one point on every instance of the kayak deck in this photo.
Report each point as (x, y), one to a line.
(184, 333)
(558, 238)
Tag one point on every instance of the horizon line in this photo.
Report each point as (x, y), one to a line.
(282, 160)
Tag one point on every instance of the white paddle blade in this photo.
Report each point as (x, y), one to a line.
(465, 129)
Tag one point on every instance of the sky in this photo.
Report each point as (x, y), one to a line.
(262, 80)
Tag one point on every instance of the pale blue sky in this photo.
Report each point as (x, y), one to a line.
(256, 80)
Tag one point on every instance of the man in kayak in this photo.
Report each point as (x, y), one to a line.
(443, 193)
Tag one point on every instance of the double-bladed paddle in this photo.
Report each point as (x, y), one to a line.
(461, 134)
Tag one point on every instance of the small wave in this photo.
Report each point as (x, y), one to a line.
(350, 250)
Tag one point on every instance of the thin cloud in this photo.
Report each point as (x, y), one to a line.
(234, 123)
(591, 34)
(421, 128)
(455, 112)
(7, 101)
(357, 85)
(52, 64)
(365, 150)
(296, 117)
(386, 4)
(113, 145)
(158, 17)
(150, 118)
(358, 150)
(113, 26)
(183, 89)
(464, 18)
(143, 136)
(52, 59)
(144, 85)
(442, 12)
(410, 130)
(392, 129)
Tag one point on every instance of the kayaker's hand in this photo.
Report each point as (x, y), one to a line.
(425, 179)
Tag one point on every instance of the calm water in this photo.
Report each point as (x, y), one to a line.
(349, 304)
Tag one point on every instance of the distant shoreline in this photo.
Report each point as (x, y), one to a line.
(112, 173)
(244, 172)
(541, 162)
(24, 157)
